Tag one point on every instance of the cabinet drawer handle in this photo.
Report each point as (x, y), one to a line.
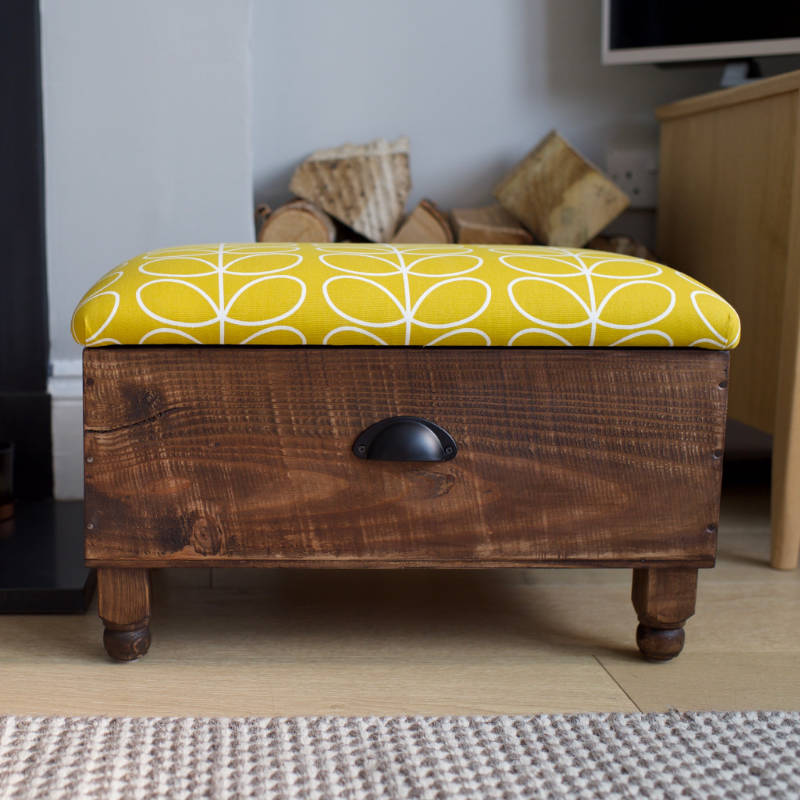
(405, 439)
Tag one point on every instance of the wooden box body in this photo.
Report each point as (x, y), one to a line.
(242, 456)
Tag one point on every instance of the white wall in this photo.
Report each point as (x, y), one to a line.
(474, 83)
(147, 125)
(147, 135)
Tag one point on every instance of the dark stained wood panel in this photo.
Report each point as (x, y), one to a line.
(243, 455)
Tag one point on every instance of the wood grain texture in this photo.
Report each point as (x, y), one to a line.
(233, 685)
(286, 642)
(729, 214)
(365, 186)
(297, 221)
(725, 203)
(216, 454)
(426, 224)
(664, 599)
(786, 449)
(488, 225)
(559, 195)
(123, 596)
(123, 603)
(724, 98)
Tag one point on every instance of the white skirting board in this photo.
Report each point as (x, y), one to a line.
(65, 386)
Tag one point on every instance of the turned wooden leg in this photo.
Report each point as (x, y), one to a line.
(123, 597)
(664, 599)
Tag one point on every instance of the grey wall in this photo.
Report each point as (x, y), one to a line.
(474, 83)
(147, 114)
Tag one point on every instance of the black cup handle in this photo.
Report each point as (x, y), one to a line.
(405, 439)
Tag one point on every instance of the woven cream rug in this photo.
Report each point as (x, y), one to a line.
(699, 755)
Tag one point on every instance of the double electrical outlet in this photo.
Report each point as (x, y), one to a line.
(635, 171)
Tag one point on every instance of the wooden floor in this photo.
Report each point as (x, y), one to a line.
(248, 642)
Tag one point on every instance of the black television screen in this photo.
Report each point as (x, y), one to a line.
(673, 30)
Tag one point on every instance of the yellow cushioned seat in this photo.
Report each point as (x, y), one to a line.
(377, 294)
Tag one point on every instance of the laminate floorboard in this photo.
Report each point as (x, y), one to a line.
(288, 642)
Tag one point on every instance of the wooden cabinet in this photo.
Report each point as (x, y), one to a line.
(729, 215)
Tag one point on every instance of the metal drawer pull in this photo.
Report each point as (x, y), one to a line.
(405, 439)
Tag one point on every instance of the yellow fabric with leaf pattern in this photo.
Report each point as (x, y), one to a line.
(380, 294)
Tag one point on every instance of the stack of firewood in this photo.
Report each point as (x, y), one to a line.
(359, 192)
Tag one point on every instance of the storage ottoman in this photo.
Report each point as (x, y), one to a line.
(402, 406)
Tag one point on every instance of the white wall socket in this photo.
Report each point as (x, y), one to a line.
(635, 171)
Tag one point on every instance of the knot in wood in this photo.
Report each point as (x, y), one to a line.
(204, 534)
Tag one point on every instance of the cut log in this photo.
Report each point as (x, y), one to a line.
(297, 221)
(563, 198)
(621, 244)
(261, 214)
(488, 225)
(426, 224)
(364, 186)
